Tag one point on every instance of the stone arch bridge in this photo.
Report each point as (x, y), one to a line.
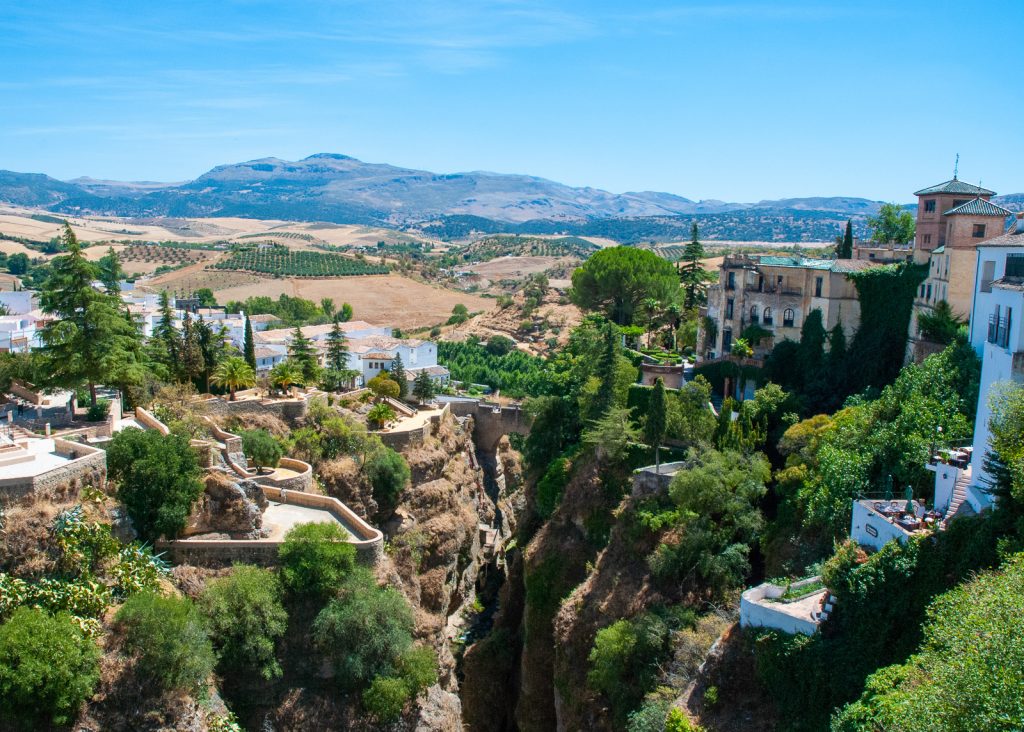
(491, 421)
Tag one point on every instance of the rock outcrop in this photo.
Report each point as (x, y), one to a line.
(227, 507)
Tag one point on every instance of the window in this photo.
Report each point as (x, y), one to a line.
(979, 231)
(1014, 265)
(728, 309)
(730, 281)
(947, 266)
(929, 206)
(929, 295)
(753, 314)
(927, 238)
(766, 316)
(818, 281)
(788, 318)
(921, 294)
(727, 340)
(988, 273)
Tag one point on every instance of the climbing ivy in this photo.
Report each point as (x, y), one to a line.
(886, 300)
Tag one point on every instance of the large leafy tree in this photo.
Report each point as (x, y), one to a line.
(615, 281)
(893, 225)
(157, 478)
(91, 338)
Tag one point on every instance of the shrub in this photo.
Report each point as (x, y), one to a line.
(551, 486)
(261, 448)
(98, 411)
(500, 345)
(388, 473)
(168, 636)
(365, 631)
(315, 559)
(158, 480)
(383, 386)
(246, 619)
(624, 658)
(385, 698)
(418, 668)
(47, 668)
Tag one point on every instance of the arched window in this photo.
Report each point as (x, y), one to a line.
(788, 318)
(753, 314)
(766, 316)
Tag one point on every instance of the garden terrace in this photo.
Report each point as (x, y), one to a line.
(797, 607)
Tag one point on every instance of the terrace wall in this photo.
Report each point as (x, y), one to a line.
(64, 481)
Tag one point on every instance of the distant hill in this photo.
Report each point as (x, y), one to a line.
(341, 189)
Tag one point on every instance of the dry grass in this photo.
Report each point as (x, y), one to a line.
(25, 549)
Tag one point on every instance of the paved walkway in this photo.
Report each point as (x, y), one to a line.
(280, 517)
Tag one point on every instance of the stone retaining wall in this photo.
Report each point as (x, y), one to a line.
(148, 420)
(303, 482)
(61, 482)
(369, 543)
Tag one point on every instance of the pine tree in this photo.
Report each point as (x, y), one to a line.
(423, 388)
(213, 345)
(654, 427)
(846, 248)
(398, 374)
(692, 274)
(337, 348)
(249, 345)
(91, 339)
(191, 354)
(111, 272)
(303, 355)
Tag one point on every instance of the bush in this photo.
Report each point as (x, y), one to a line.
(315, 559)
(47, 668)
(99, 411)
(365, 632)
(383, 386)
(168, 636)
(380, 414)
(158, 480)
(388, 473)
(500, 345)
(246, 619)
(551, 486)
(624, 660)
(418, 668)
(261, 448)
(385, 698)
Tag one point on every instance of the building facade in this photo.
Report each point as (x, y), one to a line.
(953, 218)
(776, 293)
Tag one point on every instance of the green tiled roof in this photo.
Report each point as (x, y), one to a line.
(939, 250)
(834, 265)
(955, 186)
(978, 207)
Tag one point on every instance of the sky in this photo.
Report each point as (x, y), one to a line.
(738, 101)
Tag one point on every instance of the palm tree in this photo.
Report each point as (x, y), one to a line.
(234, 373)
(284, 374)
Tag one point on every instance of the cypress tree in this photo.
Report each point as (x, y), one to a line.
(605, 371)
(654, 427)
(249, 345)
(846, 248)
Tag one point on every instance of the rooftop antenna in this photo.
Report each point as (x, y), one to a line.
(956, 167)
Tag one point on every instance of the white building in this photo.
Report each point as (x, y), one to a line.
(996, 333)
(20, 302)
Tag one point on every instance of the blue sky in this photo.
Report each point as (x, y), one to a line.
(732, 100)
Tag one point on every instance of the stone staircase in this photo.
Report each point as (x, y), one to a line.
(963, 482)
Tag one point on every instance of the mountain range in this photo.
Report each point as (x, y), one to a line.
(341, 189)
